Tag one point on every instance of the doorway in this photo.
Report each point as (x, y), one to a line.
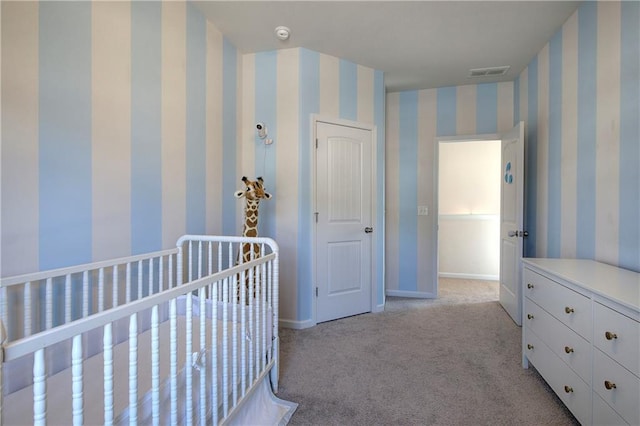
(469, 208)
(344, 218)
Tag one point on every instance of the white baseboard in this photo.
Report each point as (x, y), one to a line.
(378, 308)
(469, 276)
(414, 294)
(296, 325)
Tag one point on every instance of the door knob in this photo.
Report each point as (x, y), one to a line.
(512, 233)
(368, 230)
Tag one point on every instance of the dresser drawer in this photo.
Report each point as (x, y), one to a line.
(617, 386)
(571, 308)
(603, 415)
(618, 336)
(573, 392)
(564, 342)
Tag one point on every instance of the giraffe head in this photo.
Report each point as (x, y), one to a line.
(254, 190)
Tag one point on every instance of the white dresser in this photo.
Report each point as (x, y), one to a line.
(581, 331)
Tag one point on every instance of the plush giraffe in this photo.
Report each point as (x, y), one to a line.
(252, 194)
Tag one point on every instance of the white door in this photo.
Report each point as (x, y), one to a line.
(343, 221)
(511, 221)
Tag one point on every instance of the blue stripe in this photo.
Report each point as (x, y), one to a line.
(586, 192)
(379, 99)
(266, 84)
(309, 103)
(408, 191)
(348, 90)
(516, 101)
(447, 109)
(146, 128)
(487, 108)
(531, 155)
(629, 249)
(196, 121)
(230, 181)
(554, 200)
(65, 177)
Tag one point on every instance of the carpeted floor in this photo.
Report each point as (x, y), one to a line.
(450, 361)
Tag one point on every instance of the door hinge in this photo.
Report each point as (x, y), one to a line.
(316, 143)
(316, 213)
(316, 291)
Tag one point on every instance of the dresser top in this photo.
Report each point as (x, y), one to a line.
(619, 285)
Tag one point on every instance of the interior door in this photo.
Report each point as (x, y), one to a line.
(343, 221)
(511, 222)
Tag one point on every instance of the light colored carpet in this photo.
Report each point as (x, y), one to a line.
(451, 361)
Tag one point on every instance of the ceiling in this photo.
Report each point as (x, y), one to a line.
(418, 44)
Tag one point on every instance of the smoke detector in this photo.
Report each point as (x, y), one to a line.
(282, 33)
(488, 72)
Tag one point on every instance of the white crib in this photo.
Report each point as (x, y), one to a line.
(182, 336)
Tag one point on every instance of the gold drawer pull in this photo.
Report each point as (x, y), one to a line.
(568, 389)
(609, 385)
(529, 316)
(610, 336)
(568, 310)
(529, 346)
(568, 350)
(529, 285)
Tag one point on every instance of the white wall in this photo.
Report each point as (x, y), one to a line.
(469, 209)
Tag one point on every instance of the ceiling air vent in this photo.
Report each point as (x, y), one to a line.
(488, 72)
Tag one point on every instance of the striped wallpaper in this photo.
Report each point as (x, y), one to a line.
(126, 124)
(414, 120)
(118, 130)
(580, 98)
(283, 89)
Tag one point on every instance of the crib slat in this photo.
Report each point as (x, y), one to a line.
(173, 342)
(234, 345)
(4, 315)
(27, 309)
(76, 380)
(155, 366)
(39, 389)
(114, 290)
(133, 369)
(199, 259)
(139, 280)
(225, 347)
(190, 262)
(214, 355)
(85, 294)
(210, 258)
(150, 290)
(101, 290)
(250, 308)
(170, 271)
(161, 274)
(108, 374)
(67, 299)
(203, 347)
(128, 283)
(243, 326)
(189, 351)
(49, 303)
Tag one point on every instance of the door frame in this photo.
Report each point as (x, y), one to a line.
(436, 194)
(377, 235)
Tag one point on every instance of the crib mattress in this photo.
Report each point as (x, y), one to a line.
(18, 406)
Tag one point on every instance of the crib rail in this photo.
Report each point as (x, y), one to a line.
(40, 301)
(209, 285)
